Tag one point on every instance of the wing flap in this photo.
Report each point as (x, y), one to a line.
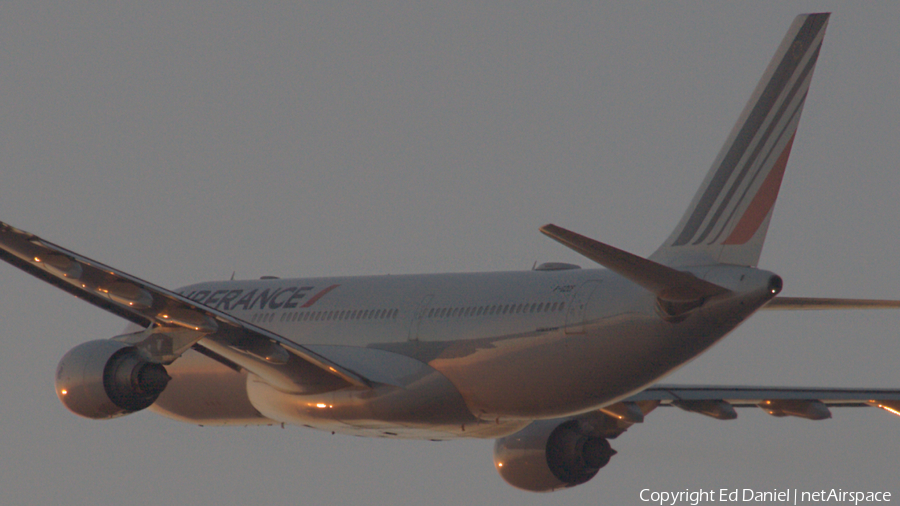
(146, 304)
(809, 403)
(752, 395)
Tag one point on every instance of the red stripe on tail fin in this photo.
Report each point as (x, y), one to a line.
(762, 203)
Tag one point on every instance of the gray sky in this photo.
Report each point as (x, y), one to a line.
(181, 143)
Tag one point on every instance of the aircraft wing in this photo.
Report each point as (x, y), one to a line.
(719, 401)
(807, 303)
(174, 323)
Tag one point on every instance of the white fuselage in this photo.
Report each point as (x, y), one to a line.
(472, 355)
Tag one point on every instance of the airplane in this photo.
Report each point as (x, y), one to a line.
(552, 363)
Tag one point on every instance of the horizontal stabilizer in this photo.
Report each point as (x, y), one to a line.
(811, 303)
(667, 283)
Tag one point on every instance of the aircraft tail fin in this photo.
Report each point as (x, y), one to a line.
(729, 216)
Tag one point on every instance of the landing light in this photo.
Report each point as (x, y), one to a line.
(892, 408)
(64, 391)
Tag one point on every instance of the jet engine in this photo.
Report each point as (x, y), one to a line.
(106, 379)
(547, 455)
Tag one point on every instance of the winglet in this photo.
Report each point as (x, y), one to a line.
(670, 285)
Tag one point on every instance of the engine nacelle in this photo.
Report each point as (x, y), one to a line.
(547, 456)
(106, 379)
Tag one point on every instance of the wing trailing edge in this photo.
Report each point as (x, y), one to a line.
(718, 401)
(819, 303)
